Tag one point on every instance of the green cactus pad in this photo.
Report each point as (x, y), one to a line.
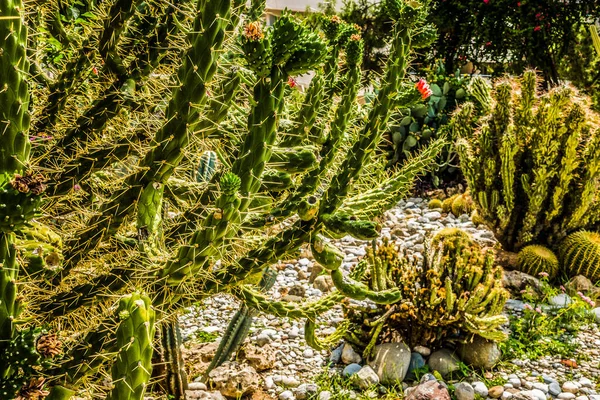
(580, 254)
(534, 259)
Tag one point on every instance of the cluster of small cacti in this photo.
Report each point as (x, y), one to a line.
(532, 163)
(127, 198)
(456, 291)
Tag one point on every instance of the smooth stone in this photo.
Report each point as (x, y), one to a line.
(481, 353)
(336, 355)
(366, 378)
(416, 362)
(443, 361)
(286, 395)
(197, 386)
(566, 396)
(596, 312)
(391, 362)
(325, 395)
(554, 388)
(540, 386)
(349, 356)
(464, 391)
(480, 389)
(351, 369)
(430, 390)
(495, 392)
(422, 350)
(585, 382)
(324, 283)
(570, 387)
(560, 300)
(305, 391)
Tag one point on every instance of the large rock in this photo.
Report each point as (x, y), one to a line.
(198, 358)
(234, 380)
(430, 390)
(443, 361)
(481, 353)
(259, 358)
(391, 362)
(516, 281)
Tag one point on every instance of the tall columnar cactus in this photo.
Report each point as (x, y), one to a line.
(456, 289)
(533, 163)
(133, 366)
(127, 209)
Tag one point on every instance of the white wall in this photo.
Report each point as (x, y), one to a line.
(295, 5)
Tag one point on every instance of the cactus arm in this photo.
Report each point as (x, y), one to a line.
(284, 309)
(373, 202)
(327, 153)
(373, 128)
(360, 291)
(293, 160)
(327, 343)
(135, 333)
(568, 163)
(169, 142)
(239, 325)
(114, 26)
(219, 104)
(9, 303)
(206, 241)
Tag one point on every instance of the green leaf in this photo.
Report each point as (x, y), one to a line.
(446, 88)
(436, 90)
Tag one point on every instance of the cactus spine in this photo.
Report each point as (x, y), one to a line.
(534, 259)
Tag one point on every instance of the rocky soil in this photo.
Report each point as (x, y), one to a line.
(277, 363)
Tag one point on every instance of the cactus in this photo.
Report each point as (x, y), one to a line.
(534, 259)
(447, 203)
(133, 366)
(532, 163)
(580, 254)
(461, 205)
(435, 203)
(456, 290)
(125, 211)
(207, 166)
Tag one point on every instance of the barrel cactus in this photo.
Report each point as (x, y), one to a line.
(536, 259)
(580, 254)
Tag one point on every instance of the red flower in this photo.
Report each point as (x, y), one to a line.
(292, 82)
(537, 28)
(95, 70)
(518, 4)
(488, 43)
(486, 1)
(423, 88)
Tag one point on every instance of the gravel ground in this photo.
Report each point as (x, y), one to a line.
(296, 364)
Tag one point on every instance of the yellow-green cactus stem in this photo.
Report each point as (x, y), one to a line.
(434, 203)
(133, 366)
(535, 259)
(341, 224)
(580, 254)
(326, 254)
(447, 203)
(461, 205)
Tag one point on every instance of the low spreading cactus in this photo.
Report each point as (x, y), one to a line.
(457, 291)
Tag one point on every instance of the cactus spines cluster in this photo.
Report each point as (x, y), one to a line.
(534, 259)
(133, 366)
(532, 162)
(580, 254)
(457, 289)
(435, 203)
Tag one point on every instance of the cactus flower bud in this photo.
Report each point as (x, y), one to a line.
(423, 88)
